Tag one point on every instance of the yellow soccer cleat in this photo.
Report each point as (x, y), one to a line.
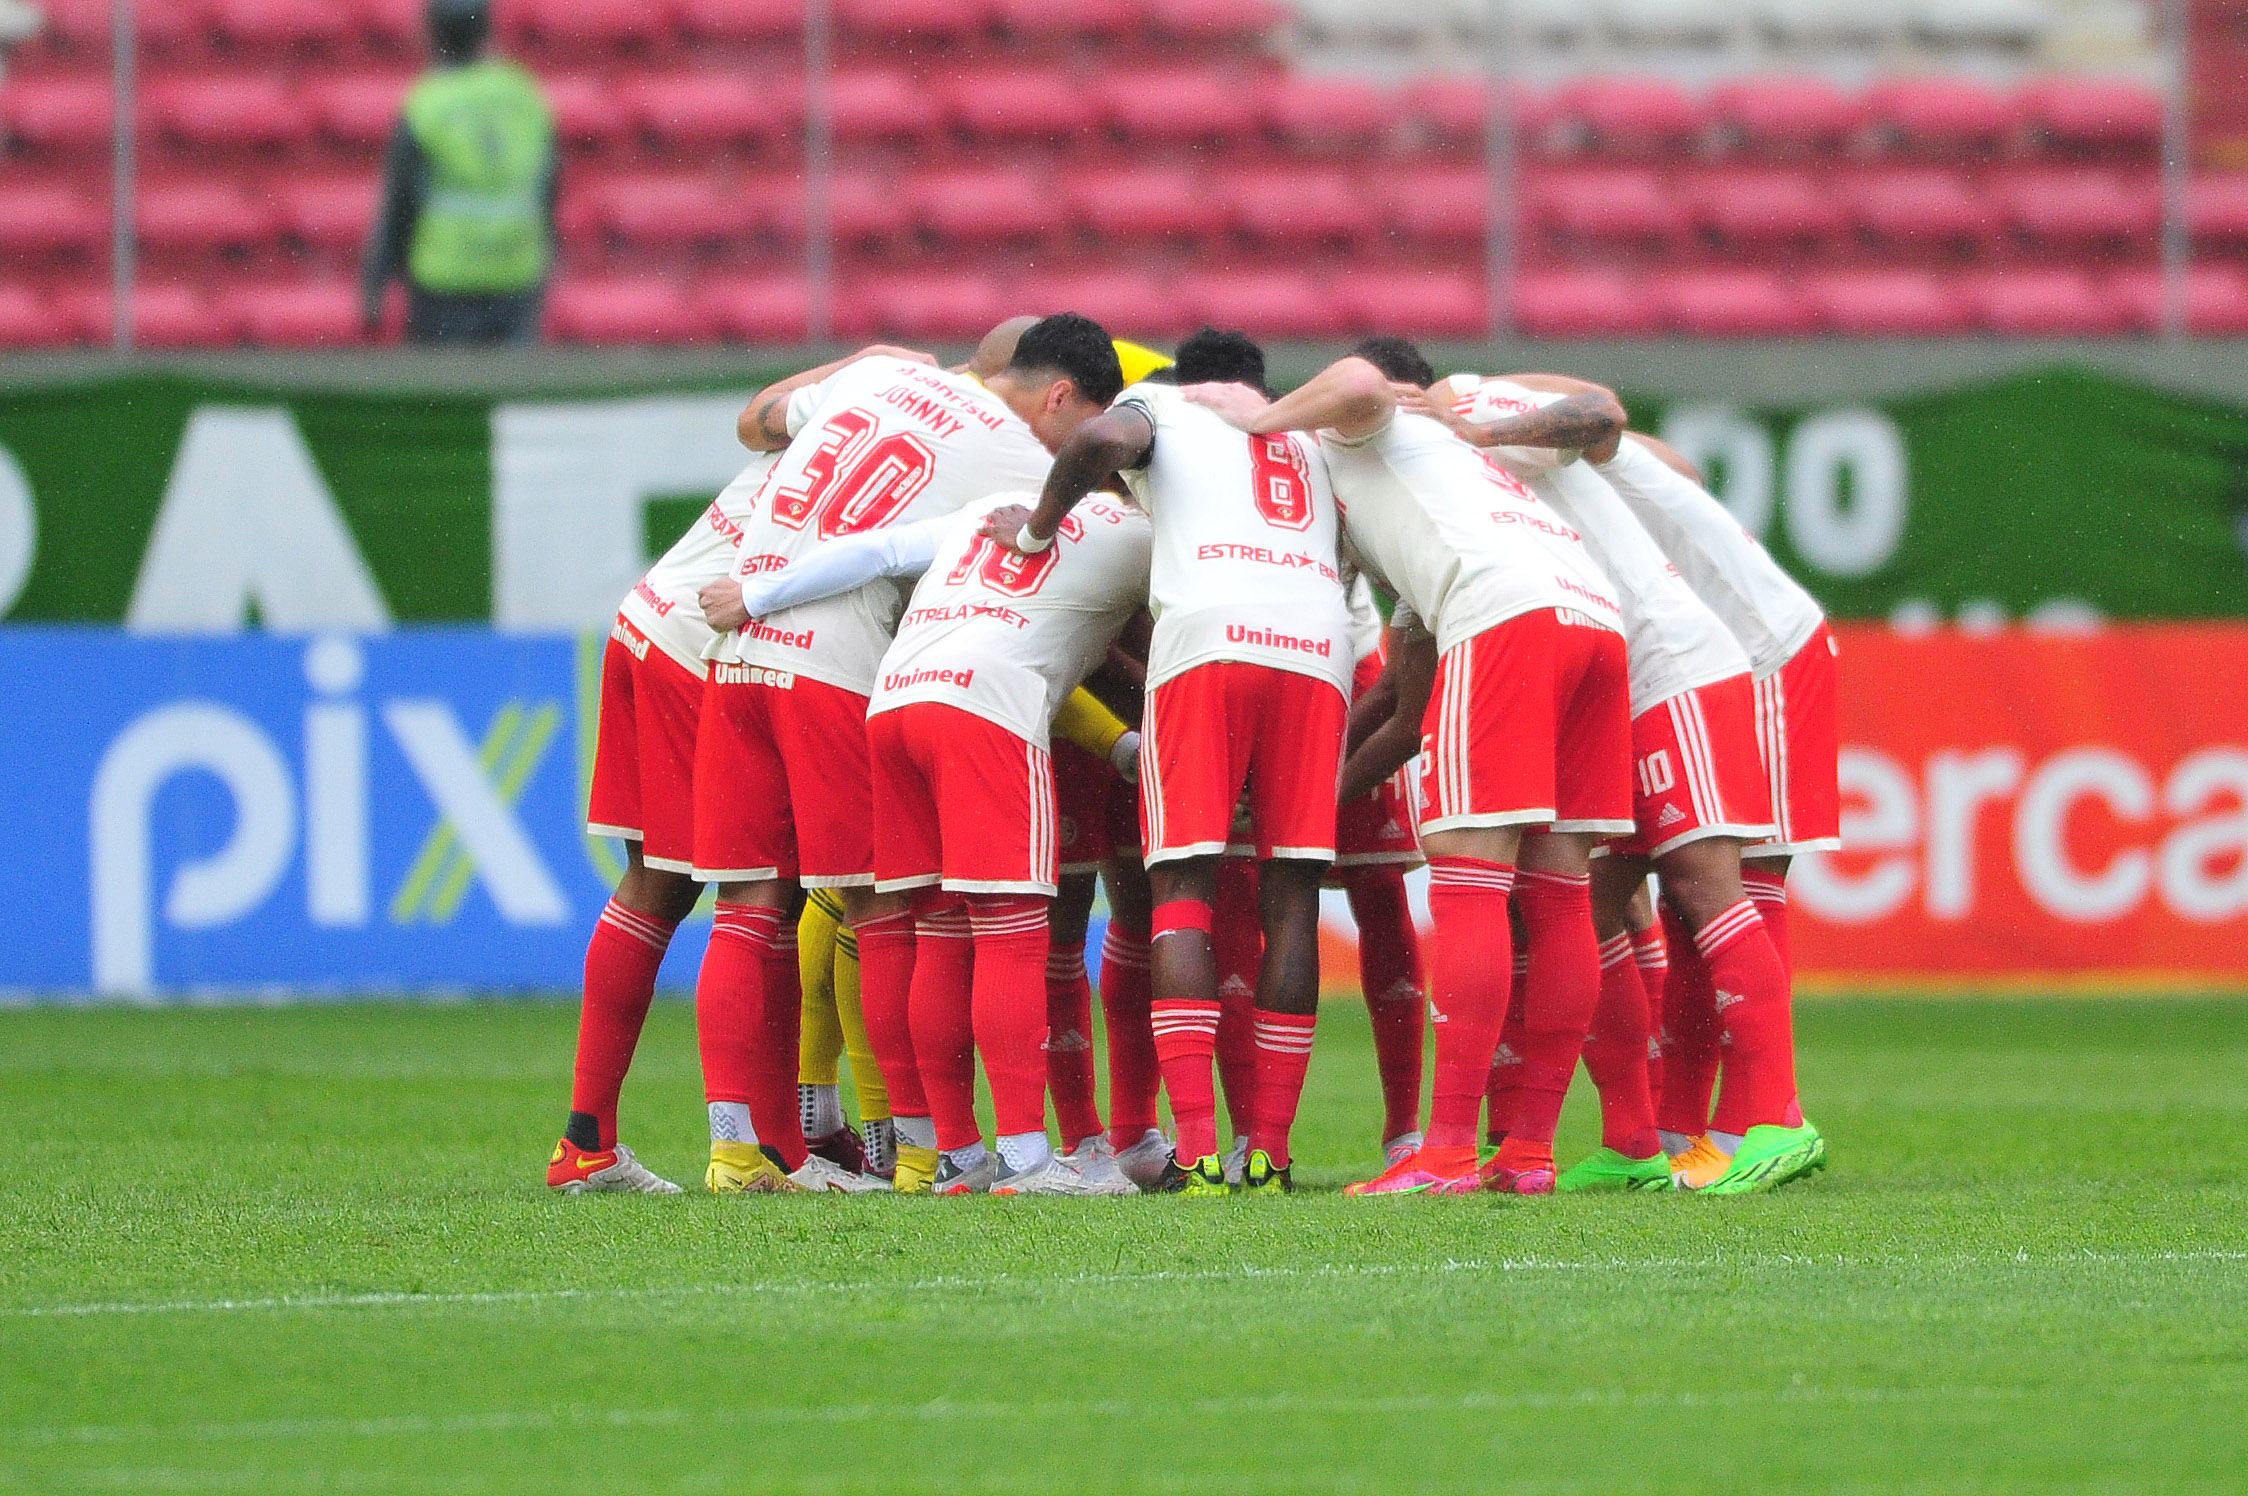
(917, 1168)
(1702, 1164)
(743, 1169)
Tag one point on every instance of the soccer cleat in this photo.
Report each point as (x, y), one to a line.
(824, 1176)
(1204, 1177)
(1501, 1180)
(1143, 1162)
(1095, 1159)
(1700, 1165)
(743, 1169)
(1056, 1176)
(612, 1171)
(1769, 1156)
(842, 1147)
(916, 1168)
(1606, 1169)
(1262, 1176)
(976, 1179)
(1400, 1148)
(1236, 1161)
(1424, 1171)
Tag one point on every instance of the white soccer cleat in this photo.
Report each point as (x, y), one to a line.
(1143, 1162)
(1237, 1162)
(573, 1171)
(822, 1176)
(1095, 1159)
(1056, 1176)
(1401, 1147)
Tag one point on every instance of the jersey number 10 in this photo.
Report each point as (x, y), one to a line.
(852, 482)
(1006, 572)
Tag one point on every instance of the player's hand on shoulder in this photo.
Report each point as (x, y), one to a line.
(722, 605)
(1004, 524)
(1237, 404)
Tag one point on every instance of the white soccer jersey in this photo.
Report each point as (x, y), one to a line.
(1766, 609)
(1675, 642)
(1006, 636)
(1462, 542)
(883, 442)
(1245, 564)
(666, 604)
(1366, 626)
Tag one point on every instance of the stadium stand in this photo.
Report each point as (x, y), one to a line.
(1687, 168)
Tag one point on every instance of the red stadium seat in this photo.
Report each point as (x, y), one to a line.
(671, 209)
(243, 112)
(983, 206)
(1585, 304)
(27, 321)
(1129, 303)
(1019, 105)
(1299, 206)
(1313, 112)
(2097, 114)
(1434, 204)
(1941, 116)
(41, 221)
(2216, 299)
(1451, 108)
(1785, 116)
(914, 22)
(201, 217)
(331, 213)
(2217, 208)
(700, 111)
(1887, 304)
(1440, 304)
(741, 20)
(1207, 21)
(1609, 206)
(79, 26)
(587, 111)
(587, 27)
(1766, 210)
(269, 25)
(1188, 104)
(360, 109)
(320, 315)
(1145, 202)
(758, 308)
(874, 104)
(394, 25)
(1627, 116)
(959, 305)
(867, 209)
(1735, 304)
(1068, 22)
(1265, 303)
(1924, 210)
(164, 316)
(2077, 211)
(2044, 304)
(625, 310)
(58, 114)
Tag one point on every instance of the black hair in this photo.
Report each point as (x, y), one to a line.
(1214, 357)
(1168, 374)
(1398, 358)
(1076, 347)
(458, 28)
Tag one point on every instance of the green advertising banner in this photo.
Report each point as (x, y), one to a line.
(169, 503)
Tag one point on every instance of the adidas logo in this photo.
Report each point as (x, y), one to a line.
(1654, 1049)
(1068, 1041)
(1234, 986)
(1435, 1013)
(1727, 999)
(1505, 1056)
(1391, 828)
(1671, 816)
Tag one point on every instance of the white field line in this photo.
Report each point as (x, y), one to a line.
(1015, 1283)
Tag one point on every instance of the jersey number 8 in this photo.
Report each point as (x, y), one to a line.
(853, 482)
(1282, 481)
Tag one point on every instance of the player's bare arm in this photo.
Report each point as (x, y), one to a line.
(1349, 396)
(1236, 404)
(1587, 421)
(722, 604)
(763, 423)
(1106, 444)
(1389, 747)
(1378, 703)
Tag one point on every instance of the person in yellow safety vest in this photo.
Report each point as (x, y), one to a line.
(467, 213)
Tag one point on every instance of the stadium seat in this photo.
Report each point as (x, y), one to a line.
(2216, 299)
(702, 111)
(1434, 204)
(2094, 114)
(1451, 109)
(1176, 106)
(394, 25)
(1214, 21)
(1300, 206)
(1785, 115)
(757, 308)
(199, 217)
(585, 28)
(871, 104)
(1130, 303)
(1025, 104)
(2217, 209)
(27, 321)
(671, 209)
(2031, 303)
(587, 112)
(1941, 116)
(1439, 304)
(273, 25)
(164, 316)
(320, 315)
(766, 21)
(1769, 210)
(1887, 304)
(1584, 304)
(1923, 211)
(888, 23)
(1265, 303)
(1145, 202)
(867, 210)
(57, 114)
(1067, 22)
(1310, 112)
(1608, 206)
(2079, 211)
(358, 110)
(623, 309)
(46, 221)
(1636, 116)
(982, 205)
(1734, 304)
(243, 112)
(957, 305)
(327, 213)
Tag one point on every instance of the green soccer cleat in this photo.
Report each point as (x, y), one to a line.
(1261, 1176)
(1204, 1177)
(1770, 1156)
(1606, 1169)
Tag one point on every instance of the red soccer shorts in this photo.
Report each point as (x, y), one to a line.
(781, 781)
(960, 800)
(1228, 724)
(1083, 788)
(1696, 772)
(1799, 730)
(1529, 724)
(644, 758)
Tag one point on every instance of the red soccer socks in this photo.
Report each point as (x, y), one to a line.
(1564, 990)
(1010, 1007)
(940, 1006)
(886, 960)
(1134, 1075)
(740, 1065)
(1616, 1054)
(1186, 1030)
(1751, 991)
(1389, 971)
(620, 979)
(1283, 1055)
(1069, 1045)
(1471, 969)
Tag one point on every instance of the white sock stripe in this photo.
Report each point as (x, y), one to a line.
(1498, 880)
(1065, 963)
(1727, 928)
(1013, 924)
(1524, 875)
(1615, 952)
(943, 927)
(648, 933)
(633, 919)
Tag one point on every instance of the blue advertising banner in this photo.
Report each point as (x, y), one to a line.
(338, 813)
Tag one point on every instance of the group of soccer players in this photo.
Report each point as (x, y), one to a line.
(959, 641)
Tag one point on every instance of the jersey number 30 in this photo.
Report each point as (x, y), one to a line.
(853, 482)
(1282, 482)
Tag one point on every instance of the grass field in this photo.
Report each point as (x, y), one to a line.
(307, 1249)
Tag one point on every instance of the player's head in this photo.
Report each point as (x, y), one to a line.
(1214, 357)
(1399, 359)
(997, 349)
(1064, 373)
(457, 28)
